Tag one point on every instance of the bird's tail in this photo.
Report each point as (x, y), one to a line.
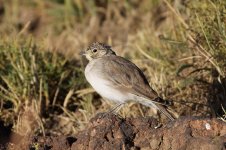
(164, 110)
(158, 106)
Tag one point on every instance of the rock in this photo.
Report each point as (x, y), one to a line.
(109, 131)
(112, 132)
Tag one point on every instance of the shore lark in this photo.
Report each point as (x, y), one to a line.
(119, 80)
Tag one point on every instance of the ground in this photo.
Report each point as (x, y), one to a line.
(45, 99)
(113, 132)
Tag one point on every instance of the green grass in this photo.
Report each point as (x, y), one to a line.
(29, 75)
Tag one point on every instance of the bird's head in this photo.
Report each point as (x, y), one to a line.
(98, 50)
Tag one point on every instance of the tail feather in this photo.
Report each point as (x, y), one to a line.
(164, 110)
(157, 106)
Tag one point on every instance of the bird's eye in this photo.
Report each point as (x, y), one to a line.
(94, 50)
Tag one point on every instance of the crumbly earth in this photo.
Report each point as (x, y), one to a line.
(113, 132)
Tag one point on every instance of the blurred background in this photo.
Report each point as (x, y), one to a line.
(179, 44)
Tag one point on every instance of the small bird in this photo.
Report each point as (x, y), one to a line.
(117, 79)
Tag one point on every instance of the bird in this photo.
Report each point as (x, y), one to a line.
(119, 80)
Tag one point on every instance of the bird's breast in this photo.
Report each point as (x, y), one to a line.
(95, 76)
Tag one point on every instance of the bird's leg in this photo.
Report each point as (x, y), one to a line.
(116, 108)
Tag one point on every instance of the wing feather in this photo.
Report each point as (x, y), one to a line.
(128, 76)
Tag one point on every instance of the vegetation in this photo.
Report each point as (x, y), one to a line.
(180, 46)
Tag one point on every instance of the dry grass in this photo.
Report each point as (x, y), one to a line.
(179, 46)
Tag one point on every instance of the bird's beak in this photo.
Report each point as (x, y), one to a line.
(82, 53)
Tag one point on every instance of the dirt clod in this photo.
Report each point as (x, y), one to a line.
(109, 131)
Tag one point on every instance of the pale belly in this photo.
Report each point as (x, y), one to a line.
(103, 87)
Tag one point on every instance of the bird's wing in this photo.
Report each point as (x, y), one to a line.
(128, 77)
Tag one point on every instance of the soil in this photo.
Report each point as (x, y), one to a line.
(109, 131)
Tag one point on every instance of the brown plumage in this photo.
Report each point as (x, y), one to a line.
(120, 80)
